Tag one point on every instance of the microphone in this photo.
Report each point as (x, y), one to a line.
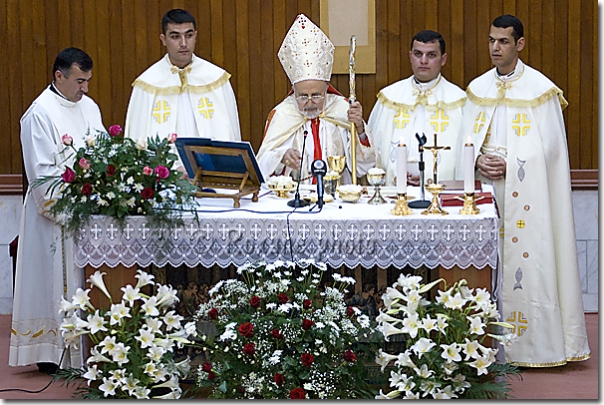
(422, 202)
(319, 169)
(297, 201)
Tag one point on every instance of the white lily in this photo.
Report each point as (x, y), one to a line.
(384, 358)
(108, 387)
(391, 395)
(143, 278)
(451, 352)
(150, 306)
(476, 325)
(411, 325)
(145, 337)
(422, 346)
(96, 280)
(81, 299)
(92, 374)
(67, 306)
(384, 317)
(131, 294)
(96, 322)
(481, 365)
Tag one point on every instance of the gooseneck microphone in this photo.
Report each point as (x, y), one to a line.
(297, 201)
(422, 202)
(319, 169)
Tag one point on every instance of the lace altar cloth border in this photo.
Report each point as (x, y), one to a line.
(354, 234)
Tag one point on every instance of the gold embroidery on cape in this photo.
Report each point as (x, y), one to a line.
(161, 111)
(479, 122)
(492, 102)
(176, 90)
(521, 130)
(440, 105)
(401, 119)
(204, 106)
(519, 322)
(439, 121)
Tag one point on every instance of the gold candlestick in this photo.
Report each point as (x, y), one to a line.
(435, 208)
(469, 204)
(401, 207)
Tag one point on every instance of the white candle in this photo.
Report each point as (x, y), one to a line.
(468, 174)
(401, 169)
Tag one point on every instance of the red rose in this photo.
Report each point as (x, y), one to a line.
(349, 356)
(68, 176)
(255, 301)
(207, 367)
(213, 313)
(211, 375)
(249, 349)
(278, 379)
(110, 170)
(297, 393)
(147, 170)
(115, 130)
(67, 140)
(162, 172)
(307, 324)
(283, 298)
(349, 311)
(147, 193)
(246, 329)
(307, 359)
(276, 334)
(86, 189)
(306, 304)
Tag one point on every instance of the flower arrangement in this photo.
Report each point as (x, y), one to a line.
(278, 336)
(116, 176)
(445, 354)
(133, 342)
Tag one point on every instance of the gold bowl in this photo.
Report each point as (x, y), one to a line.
(376, 177)
(350, 193)
(281, 189)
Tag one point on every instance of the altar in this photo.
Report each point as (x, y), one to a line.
(354, 237)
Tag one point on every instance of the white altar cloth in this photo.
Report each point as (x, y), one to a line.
(341, 234)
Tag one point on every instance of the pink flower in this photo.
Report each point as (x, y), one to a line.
(67, 140)
(115, 130)
(172, 138)
(68, 176)
(84, 164)
(147, 170)
(162, 172)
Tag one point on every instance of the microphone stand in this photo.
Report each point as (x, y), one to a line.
(297, 202)
(422, 202)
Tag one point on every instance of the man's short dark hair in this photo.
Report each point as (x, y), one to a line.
(427, 36)
(508, 20)
(72, 56)
(177, 16)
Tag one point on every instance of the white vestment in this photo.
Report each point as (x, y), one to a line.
(520, 118)
(285, 128)
(196, 101)
(405, 108)
(45, 269)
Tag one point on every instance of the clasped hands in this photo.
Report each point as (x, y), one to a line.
(491, 166)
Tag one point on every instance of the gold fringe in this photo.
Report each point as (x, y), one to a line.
(491, 102)
(176, 90)
(440, 105)
(554, 364)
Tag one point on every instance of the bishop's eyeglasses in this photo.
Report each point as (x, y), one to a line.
(316, 98)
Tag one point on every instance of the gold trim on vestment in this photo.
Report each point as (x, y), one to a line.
(440, 105)
(553, 364)
(345, 125)
(492, 102)
(176, 90)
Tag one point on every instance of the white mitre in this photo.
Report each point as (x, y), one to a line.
(306, 52)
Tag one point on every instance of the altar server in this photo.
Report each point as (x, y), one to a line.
(515, 115)
(424, 103)
(182, 93)
(45, 269)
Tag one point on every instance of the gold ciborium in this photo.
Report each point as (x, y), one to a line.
(435, 208)
(377, 178)
(337, 165)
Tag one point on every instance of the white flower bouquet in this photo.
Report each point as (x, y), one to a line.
(133, 342)
(445, 354)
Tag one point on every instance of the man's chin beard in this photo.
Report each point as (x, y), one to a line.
(310, 115)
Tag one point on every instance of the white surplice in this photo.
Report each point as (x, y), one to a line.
(408, 107)
(45, 269)
(519, 117)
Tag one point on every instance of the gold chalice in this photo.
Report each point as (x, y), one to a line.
(337, 164)
(377, 178)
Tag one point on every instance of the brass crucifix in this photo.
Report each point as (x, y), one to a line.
(435, 148)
